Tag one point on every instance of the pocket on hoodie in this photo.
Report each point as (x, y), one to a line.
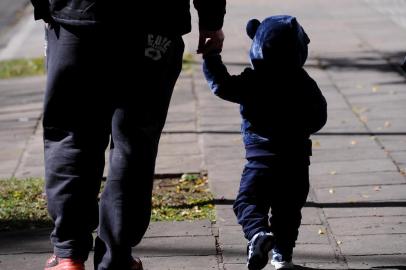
(81, 6)
(76, 12)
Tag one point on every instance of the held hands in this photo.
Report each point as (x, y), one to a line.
(210, 42)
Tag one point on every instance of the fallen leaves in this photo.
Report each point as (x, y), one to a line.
(364, 119)
(387, 124)
(375, 89)
(377, 188)
(359, 110)
(185, 198)
(316, 144)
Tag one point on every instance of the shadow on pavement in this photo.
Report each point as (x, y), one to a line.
(333, 205)
(377, 63)
(394, 267)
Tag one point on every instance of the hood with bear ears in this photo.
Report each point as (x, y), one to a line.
(278, 41)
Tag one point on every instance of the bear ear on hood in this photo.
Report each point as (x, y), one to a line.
(252, 27)
(298, 29)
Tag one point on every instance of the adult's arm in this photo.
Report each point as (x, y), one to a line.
(211, 19)
(211, 14)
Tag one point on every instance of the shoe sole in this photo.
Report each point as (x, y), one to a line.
(290, 266)
(260, 257)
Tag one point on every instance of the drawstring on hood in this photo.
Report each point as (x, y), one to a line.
(278, 41)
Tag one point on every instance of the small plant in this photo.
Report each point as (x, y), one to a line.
(188, 62)
(187, 198)
(22, 67)
(23, 202)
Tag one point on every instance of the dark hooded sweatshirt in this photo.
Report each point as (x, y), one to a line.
(171, 17)
(281, 105)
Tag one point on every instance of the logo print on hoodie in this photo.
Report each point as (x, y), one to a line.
(157, 46)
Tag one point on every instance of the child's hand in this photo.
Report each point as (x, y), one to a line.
(210, 41)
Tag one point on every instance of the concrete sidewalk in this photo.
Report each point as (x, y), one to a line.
(355, 217)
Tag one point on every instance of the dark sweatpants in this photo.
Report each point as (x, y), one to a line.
(103, 88)
(279, 184)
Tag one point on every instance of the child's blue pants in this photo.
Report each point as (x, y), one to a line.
(277, 184)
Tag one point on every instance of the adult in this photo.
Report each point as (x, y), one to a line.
(111, 70)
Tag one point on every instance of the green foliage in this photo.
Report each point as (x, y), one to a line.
(187, 198)
(36, 66)
(21, 68)
(188, 62)
(23, 202)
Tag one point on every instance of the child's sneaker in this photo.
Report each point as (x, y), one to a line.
(258, 249)
(281, 262)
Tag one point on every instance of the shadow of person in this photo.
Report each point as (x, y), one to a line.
(392, 267)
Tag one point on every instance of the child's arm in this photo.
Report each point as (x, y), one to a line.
(222, 84)
(317, 108)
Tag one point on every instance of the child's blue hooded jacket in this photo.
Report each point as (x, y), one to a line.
(281, 105)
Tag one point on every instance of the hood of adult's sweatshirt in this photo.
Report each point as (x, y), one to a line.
(277, 41)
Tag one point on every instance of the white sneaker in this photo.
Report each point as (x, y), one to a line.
(282, 265)
(279, 262)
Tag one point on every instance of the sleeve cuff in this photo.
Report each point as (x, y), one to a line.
(211, 14)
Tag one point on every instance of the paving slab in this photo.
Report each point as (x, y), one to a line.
(20, 242)
(356, 166)
(177, 246)
(384, 195)
(311, 216)
(308, 234)
(375, 179)
(27, 261)
(306, 253)
(343, 142)
(377, 262)
(372, 244)
(371, 210)
(180, 262)
(347, 154)
(394, 143)
(355, 226)
(226, 217)
(37, 261)
(177, 229)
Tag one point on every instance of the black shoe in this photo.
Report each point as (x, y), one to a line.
(258, 249)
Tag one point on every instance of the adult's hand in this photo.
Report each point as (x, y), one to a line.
(210, 41)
